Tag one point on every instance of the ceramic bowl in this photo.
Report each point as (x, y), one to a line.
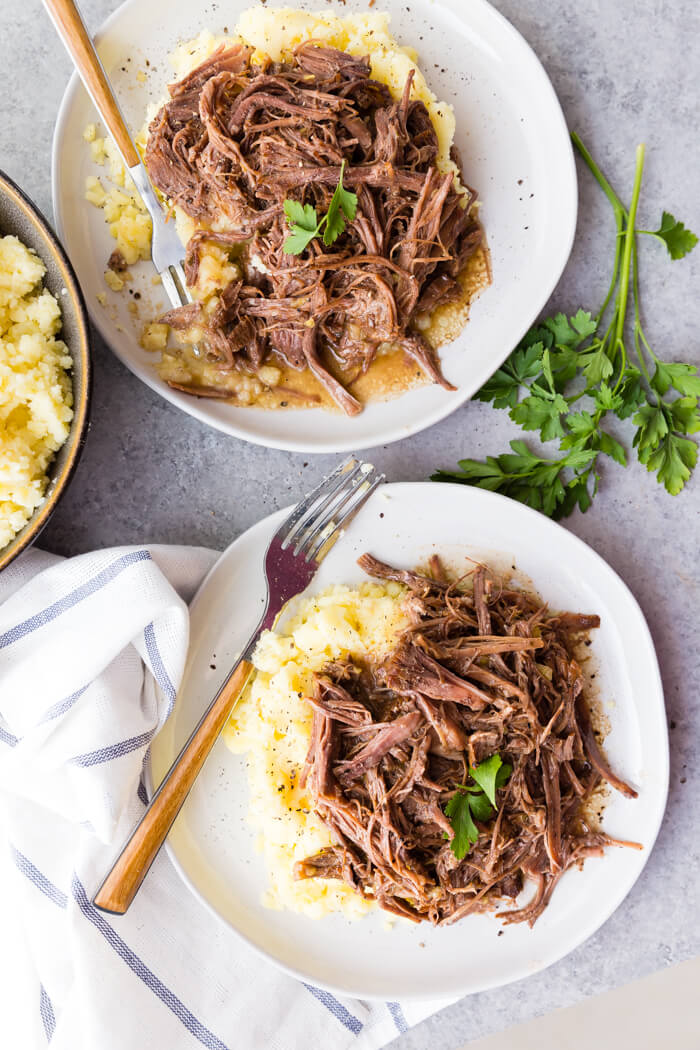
(19, 216)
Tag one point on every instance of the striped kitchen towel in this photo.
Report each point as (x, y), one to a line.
(92, 651)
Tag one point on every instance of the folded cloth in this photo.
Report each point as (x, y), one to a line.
(92, 651)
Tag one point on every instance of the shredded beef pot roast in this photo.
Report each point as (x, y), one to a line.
(481, 672)
(235, 140)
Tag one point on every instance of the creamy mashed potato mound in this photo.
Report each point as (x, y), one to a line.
(271, 726)
(36, 393)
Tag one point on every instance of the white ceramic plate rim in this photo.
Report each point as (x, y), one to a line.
(566, 205)
(261, 532)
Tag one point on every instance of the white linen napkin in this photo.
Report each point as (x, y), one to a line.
(92, 650)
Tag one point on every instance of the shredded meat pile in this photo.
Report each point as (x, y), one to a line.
(481, 672)
(236, 140)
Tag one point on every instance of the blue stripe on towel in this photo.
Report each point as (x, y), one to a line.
(40, 619)
(40, 881)
(195, 1027)
(53, 712)
(340, 1012)
(47, 1015)
(106, 754)
(141, 791)
(161, 675)
(8, 738)
(191, 1023)
(399, 1019)
(62, 706)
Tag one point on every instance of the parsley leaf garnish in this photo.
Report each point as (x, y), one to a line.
(480, 806)
(678, 239)
(652, 426)
(502, 388)
(539, 483)
(672, 459)
(541, 412)
(682, 378)
(343, 206)
(466, 833)
(305, 223)
(475, 802)
(569, 374)
(610, 446)
(489, 775)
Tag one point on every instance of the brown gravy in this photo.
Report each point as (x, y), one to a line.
(389, 375)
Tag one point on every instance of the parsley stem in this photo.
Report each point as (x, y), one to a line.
(607, 189)
(630, 240)
(616, 265)
(610, 328)
(646, 344)
(619, 211)
(638, 331)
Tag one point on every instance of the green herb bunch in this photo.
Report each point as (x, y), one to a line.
(569, 374)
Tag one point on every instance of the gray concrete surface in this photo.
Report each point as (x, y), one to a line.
(625, 71)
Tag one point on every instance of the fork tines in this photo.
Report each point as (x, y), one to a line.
(316, 521)
(175, 285)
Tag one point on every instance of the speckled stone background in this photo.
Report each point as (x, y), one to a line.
(625, 71)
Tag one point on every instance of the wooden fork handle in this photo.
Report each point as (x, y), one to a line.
(71, 28)
(121, 885)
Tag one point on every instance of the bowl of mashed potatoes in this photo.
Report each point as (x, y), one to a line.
(44, 371)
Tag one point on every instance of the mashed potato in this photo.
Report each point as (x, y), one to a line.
(129, 222)
(125, 213)
(271, 725)
(36, 393)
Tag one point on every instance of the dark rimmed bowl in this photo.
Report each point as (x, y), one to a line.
(19, 216)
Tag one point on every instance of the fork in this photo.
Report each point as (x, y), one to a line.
(166, 246)
(292, 559)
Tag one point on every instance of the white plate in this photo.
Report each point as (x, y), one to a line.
(516, 151)
(212, 845)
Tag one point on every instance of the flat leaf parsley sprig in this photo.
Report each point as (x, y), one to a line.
(475, 801)
(568, 374)
(305, 223)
